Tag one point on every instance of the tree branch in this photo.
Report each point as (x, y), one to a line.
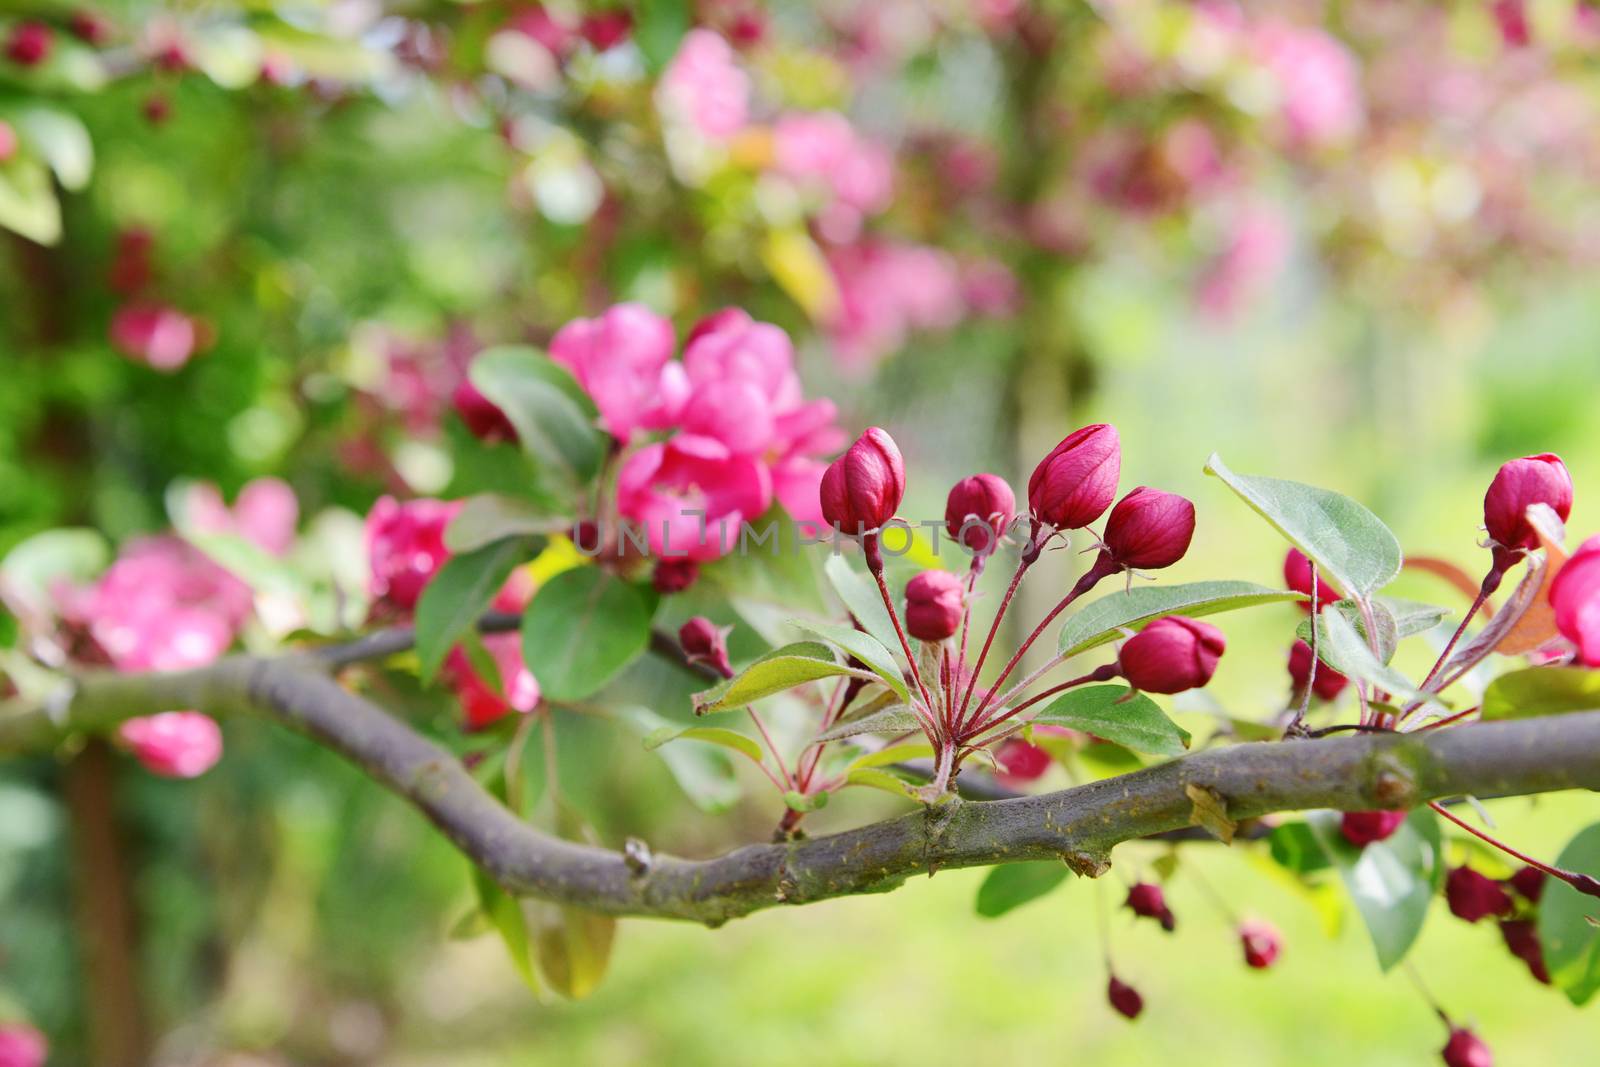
(1078, 825)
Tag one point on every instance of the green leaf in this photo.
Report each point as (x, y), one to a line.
(1343, 648)
(1392, 882)
(863, 647)
(1103, 620)
(1011, 885)
(659, 26)
(713, 735)
(1294, 846)
(705, 774)
(1535, 691)
(797, 801)
(457, 595)
(573, 945)
(1109, 712)
(874, 778)
(891, 754)
(488, 517)
(1388, 629)
(553, 416)
(1350, 544)
(582, 628)
(504, 914)
(73, 555)
(28, 204)
(862, 599)
(894, 720)
(1411, 616)
(62, 141)
(782, 668)
(1567, 932)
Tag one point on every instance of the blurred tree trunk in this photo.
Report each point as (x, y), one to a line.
(103, 903)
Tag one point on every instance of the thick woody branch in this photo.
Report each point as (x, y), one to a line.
(1079, 826)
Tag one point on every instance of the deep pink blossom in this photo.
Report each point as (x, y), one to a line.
(862, 489)
(935, 603)
(1466, 1049)
(887, 290)
(623, 360)
(704, 642)
(161, 336)
(1362, 828)
(1297, 576)
(1328, 684)
(705, 87)
(691, 493)
(405, 547)
(1575, 596)
(1261, 942)
(481, 702)
(1075, 484)
(1318, 81)
(1171, 655)
(174, 744)
(1149, 529)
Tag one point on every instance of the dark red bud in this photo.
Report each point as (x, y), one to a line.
(862, 489)
(157, 109)
(704, 642)
(1362, 828)
(1297, 576)
(1261, 942)
(674, 575)
(606, 29)
(1473, 896)
(1523, 941)
(935, 602)
(29, 44)
(1529, 881)
(1519, 484)
(1076, 482)
(1171, 655)
(90, 27)
(1149, 529)
(1465, 1049)
(1021, 762)
(1148, 902)
(1124, 998)
(484, 420)
(1329, 683)
(978, 511)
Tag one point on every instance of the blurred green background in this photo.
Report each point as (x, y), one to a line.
(286, 912)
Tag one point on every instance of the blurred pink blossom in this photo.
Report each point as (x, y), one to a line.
(886, 290)
(822, 151)
(174, 744)
(1319, 91)
(1257, 245)
(264, 514)
(481, 703)
(161, 336)
(705, 87)
(623, 360)
(22, 1046)
(405, 547)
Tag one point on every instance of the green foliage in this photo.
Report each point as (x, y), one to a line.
(864, 647)
(1103, 620)
(581, 629)
(1392, 882)
(1015, 884)
(1568, 927)
(456, 597)
(1535, 691)
(554, 417)
(781, 669)
(1117, 713)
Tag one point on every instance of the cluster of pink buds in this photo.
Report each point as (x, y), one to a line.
(1513, 902)
(1072, 487)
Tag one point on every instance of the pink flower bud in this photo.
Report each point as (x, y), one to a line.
(1297, 576)
(1465, 1049)
(1329, 682)
(1522, 939)
(1362, 828)
(862, 489)
(606, 29)
(30, 44)
(1021, 762)
(1519, 484)
(22, 1046)
(174, 744)
(1575, 596)
(1149, 529)
(674, 575)
(90, 27)
(1261, 942)
(935, 602)
(1172, 654)
(1473, 896)
(157, 109)
(1124, 998)
(1148, 902)
(704, 642)
(1529, 881)
(1076, 482)
(978, 510)
(484, 420)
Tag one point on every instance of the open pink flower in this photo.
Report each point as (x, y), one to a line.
(264, 514)
(691, 494)
(705, 87)
(174, 744)
(623, 360)
(1575, 596)
(481, 703)
(155, 334)
(405, 547)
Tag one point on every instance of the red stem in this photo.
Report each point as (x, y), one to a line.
(875, 565)
(1581, 882)
(1099, 674)
(1005, 602)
